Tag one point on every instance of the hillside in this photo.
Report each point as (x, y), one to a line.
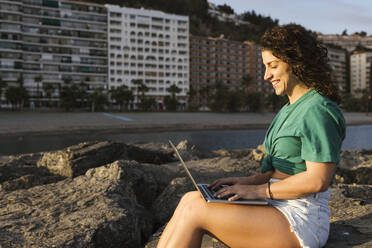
(201, 23)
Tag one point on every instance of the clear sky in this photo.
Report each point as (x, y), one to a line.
(325, 16)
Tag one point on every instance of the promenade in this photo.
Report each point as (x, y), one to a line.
(33, 123)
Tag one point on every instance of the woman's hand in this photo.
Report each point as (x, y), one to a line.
(239, 191)
(224, 181)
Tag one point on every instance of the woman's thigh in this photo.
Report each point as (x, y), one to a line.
(244, 225)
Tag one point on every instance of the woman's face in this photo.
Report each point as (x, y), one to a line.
(278, 73)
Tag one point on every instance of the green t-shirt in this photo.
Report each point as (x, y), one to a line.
(312, 129)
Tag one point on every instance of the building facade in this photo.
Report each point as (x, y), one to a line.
(348, 42)
(360, 70)
(337, 61)
(50, 42)
(151, 46)
(226, 61)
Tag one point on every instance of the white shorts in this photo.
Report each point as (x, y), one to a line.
(308, 217)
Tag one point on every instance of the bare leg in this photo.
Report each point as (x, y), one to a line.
(235, 225)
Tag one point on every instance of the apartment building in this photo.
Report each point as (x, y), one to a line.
(149, 45)
(337, 61)
(360, 72)
(349, 42)
(227, 61)
(50, 42)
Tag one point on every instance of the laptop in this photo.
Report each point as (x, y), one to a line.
(208, 194)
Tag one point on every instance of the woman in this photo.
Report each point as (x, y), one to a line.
(303, 145)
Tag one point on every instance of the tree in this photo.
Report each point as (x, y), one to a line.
(225, 9)
(82, 95)
(38, 79)
(205, 94)
(234, 101)
(246, 82)
(69, 94)
(122, 96)
(253, 102)
(171, 102)
(192, 93)
(22, 92)
(97, 100)
(344, 32)
(16, 95)
(3, 84)
(220, 97)
(141, 93)
(274, 102)
(48, 89)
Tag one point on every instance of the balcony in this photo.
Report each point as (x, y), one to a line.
(51, 22)
(50, 3)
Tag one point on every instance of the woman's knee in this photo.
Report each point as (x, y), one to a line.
(192, 203)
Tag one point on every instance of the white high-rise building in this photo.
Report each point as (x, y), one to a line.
(149, 45)
(43, 43)
(360, 66)
(337, 60)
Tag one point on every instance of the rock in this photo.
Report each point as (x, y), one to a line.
(191, 152)
(167, 202)
(154, 153)
(120, 203)
(354, 167)
(76, 160)
(259, 153)
(98, 209)
(351, 216)
(21, 172)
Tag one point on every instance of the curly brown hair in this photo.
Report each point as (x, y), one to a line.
(307, 58)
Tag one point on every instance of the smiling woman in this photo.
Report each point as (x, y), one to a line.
(298, 54)
(303, 147)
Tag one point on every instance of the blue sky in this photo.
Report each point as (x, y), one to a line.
(326, 16)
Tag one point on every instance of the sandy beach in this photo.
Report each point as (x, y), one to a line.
(44, 123)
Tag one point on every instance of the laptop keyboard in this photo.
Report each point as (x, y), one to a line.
(207, 193)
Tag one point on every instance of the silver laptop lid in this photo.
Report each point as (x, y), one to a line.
(184, 166)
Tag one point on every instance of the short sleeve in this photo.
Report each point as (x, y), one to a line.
(322, 133)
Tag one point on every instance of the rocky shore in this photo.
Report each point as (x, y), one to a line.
(110, 194)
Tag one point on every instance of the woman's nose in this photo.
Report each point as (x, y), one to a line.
(268, 75)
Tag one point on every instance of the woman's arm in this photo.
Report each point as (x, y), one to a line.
(251, 180)
(316, 178)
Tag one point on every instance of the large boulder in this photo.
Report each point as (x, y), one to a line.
(355, 167)
(21, 172)
(98, 209)
(76, 160)
(351, 216)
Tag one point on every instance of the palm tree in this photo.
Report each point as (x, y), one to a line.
(174, 90)
(97, 99)
(23, 94)
(141, 91)
(122, 96)
(38, 79)
(246, 82)
(205, 94)
(3, 84)
(171, 102)
(48, 89)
